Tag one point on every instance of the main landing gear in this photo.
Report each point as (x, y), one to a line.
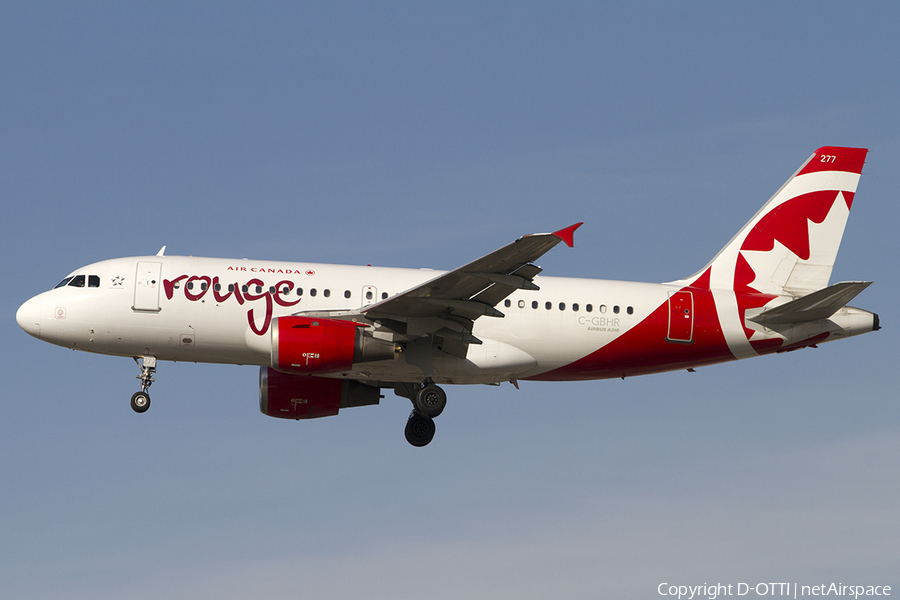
(140, 401)
(428, 402)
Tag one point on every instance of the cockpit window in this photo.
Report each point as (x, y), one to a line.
(79, 281)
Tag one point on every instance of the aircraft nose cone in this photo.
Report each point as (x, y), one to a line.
(29, 317)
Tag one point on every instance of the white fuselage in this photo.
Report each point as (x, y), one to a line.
(220, 311)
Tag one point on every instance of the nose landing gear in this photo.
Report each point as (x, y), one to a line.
(140, 401)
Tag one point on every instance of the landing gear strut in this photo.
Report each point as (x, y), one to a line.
(428, 401)
(140, 401)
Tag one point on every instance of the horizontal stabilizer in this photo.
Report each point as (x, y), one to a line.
(812, 307)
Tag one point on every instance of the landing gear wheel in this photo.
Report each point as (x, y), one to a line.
(140, 402)
(419, 430)
(430, 401)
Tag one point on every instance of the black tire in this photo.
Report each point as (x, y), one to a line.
(419, 430)
(430, 401)
(140, 402)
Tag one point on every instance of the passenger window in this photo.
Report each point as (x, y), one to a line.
(368, 294)
(244, 288)
(93, 281)
(588, 307)
(347, 293)
(575, 307)
(271, 289)
(77, 281)
(326, 293)
(534, 304)
(548, 305)
(616, 309)
(63, 283)
(259, 289)
(630, 310)
(562, 306)
(603, 308)
(507, 303)
(312, 292)
(299, 291)
(203, 286)
(190, 285)
(384, 295)
(521, 304)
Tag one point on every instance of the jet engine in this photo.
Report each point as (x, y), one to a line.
(309, 345)
(289, 396)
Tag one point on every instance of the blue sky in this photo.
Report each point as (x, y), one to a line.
(426, 136)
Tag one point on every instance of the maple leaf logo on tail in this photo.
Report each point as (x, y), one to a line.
(789, 247)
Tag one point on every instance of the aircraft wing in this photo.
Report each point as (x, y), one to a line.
(448, 304)
(472, 291)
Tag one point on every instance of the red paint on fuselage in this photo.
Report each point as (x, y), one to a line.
(645, 348)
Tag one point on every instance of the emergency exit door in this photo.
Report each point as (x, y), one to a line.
(369, 295)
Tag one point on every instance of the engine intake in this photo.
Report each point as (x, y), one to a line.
(309, 345)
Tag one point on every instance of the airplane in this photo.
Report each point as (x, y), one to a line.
(327, 337)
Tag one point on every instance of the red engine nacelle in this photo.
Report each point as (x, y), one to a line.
(309, 345)
(306, 397)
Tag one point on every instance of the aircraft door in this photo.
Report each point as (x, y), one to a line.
(681, 317)
(369, 295)
(146, 286)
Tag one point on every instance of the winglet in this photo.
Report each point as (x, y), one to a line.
(568, 234)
